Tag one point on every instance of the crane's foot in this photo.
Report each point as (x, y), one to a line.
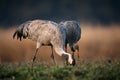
(74, 62)
(33, 59)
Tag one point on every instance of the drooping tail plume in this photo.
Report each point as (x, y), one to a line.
(18, 34)
(14, 34)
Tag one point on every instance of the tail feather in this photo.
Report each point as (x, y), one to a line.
(14, 34)
(19, 32)
(19, 35)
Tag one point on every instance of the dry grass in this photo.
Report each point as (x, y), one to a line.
(100, 43)
(96, 43)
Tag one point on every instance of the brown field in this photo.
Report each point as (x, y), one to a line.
(97, 43)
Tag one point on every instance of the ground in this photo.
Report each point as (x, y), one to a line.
(44, 71)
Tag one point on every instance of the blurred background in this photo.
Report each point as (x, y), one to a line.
(92, 11)
(99, 20)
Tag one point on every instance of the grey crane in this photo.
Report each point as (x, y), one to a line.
(44, 33)
(73, 35)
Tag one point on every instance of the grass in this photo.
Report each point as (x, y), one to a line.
(82, 71)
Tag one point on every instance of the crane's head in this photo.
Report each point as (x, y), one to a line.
(72, 62)
(70, 59)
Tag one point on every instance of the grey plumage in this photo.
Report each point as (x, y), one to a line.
(73, 34)
(44, 33)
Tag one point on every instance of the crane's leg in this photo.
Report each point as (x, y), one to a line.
(52, 55)
(36, 51)
(76, 47)
(72, 49)
(34, 56)
(66, 51)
